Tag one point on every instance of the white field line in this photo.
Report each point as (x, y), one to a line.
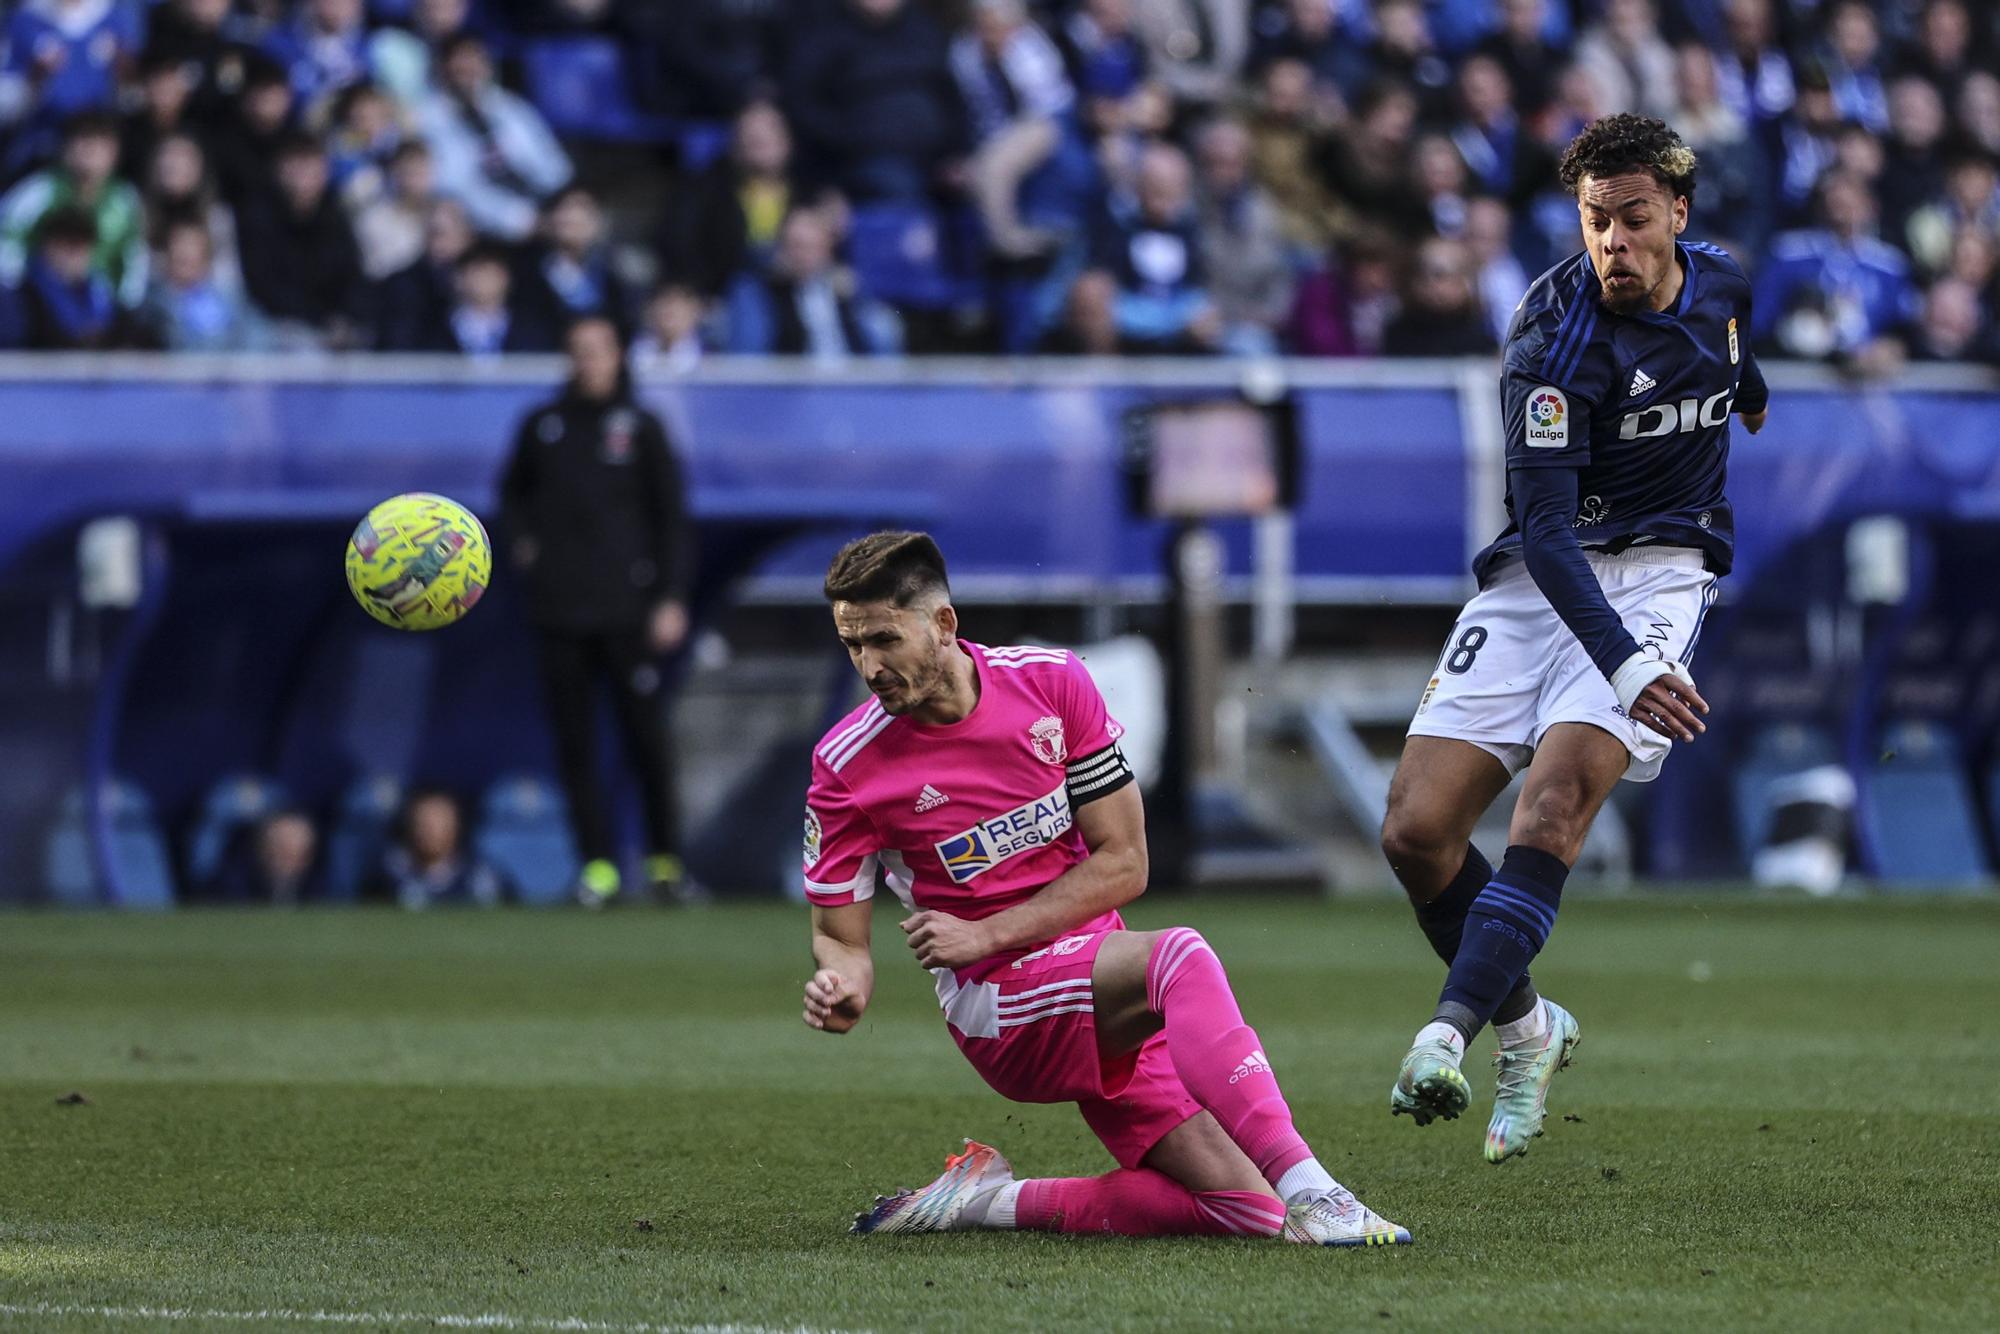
(447, 1320)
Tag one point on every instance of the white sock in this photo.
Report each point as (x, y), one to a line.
(1439, 1031)
(995, 1209)
(1530, 1027)
(1304, 1177)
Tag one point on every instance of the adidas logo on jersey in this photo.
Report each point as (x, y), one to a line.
(930, 799)
(1642, 383)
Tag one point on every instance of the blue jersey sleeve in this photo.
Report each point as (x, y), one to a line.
(1545, 500)
(1547, 423)
(1552, 375)
(1752, 394)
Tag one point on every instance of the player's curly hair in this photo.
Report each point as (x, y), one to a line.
(1615, 145)
(894, 567)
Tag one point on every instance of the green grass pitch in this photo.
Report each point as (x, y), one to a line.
(1783, 1115)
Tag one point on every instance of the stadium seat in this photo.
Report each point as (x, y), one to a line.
(1778, 752)
(581, 86)
(524, 831)
(360, 830)
(1918, 811)
(703, 143)
(902, 255)
(236, 801)
(138, 853)
(68, 875)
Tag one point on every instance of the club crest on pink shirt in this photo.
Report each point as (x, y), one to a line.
(1046, 736)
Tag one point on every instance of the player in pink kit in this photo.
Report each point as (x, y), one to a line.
(986, 784)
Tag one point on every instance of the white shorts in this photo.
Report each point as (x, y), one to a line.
(1512, 670)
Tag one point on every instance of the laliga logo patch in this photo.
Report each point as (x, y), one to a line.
(812, 838)
(1046, 736)
(1732, 342)
(1548, 416)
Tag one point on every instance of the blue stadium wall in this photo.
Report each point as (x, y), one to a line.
(244, 655)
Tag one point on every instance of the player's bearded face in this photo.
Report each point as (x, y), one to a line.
(902, 653)
(1629, 224)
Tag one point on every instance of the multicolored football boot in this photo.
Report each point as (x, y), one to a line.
(1430, 1085)
(1336, 1218)
(938, 1206)
(1521, 1086)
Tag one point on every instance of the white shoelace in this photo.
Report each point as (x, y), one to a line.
(1512, 1069)
(1340, 1204)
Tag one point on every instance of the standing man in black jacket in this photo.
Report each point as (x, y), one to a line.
(595, 510)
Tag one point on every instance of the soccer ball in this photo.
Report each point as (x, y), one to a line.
(419, 561)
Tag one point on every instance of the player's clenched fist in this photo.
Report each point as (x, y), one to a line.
(943, 941)
(833, 1004)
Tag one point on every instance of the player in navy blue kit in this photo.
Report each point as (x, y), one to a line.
(1620, 373)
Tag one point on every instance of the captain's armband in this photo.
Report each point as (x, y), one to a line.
(1097, 775)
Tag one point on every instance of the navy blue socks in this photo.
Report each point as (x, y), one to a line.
(1443, 923)
(1507, 924)
(1443, 918)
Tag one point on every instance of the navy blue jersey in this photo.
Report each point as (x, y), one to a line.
(1637, 404)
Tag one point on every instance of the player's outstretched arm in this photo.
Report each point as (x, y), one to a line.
(839, 990)
(1113, 828)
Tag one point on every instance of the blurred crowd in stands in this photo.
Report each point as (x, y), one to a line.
(423, 858)
(846, 178)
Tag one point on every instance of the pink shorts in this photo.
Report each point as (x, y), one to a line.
(1029, 1030)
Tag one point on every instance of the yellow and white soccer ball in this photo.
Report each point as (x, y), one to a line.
(419, 561)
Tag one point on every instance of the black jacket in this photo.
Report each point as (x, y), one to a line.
(703, 239)
(603, 292)
(414, 310)
(789, 336)
(858, 89)
(597, 489)
(303, 267)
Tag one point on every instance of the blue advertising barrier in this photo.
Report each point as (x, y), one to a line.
(1016, 467)
(1022, 474)
(1019, 462)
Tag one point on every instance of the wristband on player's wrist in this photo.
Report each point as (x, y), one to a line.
(1639, 671)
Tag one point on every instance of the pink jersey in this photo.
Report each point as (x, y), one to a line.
(967, 818)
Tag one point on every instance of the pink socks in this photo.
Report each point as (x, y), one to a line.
(1217, 1055)
(1221, 1061)
(1143, 1203)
